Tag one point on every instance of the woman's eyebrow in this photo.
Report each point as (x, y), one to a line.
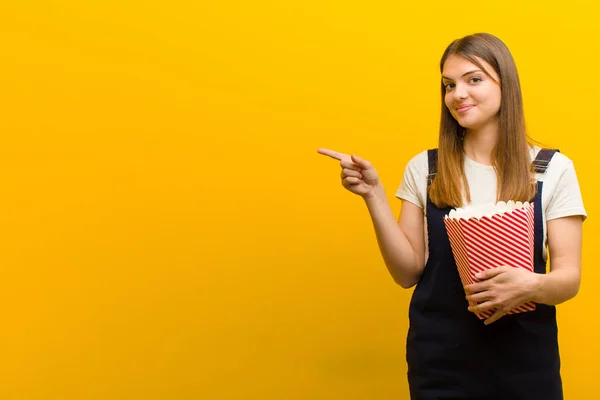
(466, 73)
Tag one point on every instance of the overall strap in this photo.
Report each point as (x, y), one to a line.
(540, 164)
(432, 155)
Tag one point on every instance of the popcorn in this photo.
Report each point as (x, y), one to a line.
(490, 235)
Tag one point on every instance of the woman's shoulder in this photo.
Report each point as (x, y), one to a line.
(419, 161)
(560, 182)
(558, 163)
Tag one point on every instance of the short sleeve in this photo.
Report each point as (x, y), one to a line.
(566, 200)
(414, 182)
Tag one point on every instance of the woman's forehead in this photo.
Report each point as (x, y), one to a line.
(456, 65)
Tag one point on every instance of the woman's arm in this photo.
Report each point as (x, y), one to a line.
(564, 246)
(401, 242)
(505, 288)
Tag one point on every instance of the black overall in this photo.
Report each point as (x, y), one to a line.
(451, 354)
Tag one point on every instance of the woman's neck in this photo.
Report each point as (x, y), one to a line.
(479, 144)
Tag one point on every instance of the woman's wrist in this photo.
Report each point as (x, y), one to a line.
(537, 287)
(376, 195)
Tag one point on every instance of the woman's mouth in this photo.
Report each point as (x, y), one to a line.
(464, 108)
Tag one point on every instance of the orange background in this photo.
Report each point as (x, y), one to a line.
(168, 230)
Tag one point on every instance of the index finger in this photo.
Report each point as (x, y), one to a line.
(332, 154)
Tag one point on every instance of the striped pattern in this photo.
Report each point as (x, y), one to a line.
(485, 243)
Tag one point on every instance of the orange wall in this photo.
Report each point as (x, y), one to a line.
(168, 230)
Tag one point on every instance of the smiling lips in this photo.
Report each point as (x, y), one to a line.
(464, 108)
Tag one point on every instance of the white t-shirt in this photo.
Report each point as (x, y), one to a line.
(561, 196)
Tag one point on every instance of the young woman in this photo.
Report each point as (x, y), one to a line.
(483, 155)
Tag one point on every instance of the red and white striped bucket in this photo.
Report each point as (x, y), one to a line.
(489, 242)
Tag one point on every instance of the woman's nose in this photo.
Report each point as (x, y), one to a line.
(460, 92)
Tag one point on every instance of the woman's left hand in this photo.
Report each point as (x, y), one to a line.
(503, 289)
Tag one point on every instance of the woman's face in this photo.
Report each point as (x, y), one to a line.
(472, 97)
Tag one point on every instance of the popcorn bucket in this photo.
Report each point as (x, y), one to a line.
(489, 236)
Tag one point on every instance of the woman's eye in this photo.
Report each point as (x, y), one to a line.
(476, 79)
(449, 86)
